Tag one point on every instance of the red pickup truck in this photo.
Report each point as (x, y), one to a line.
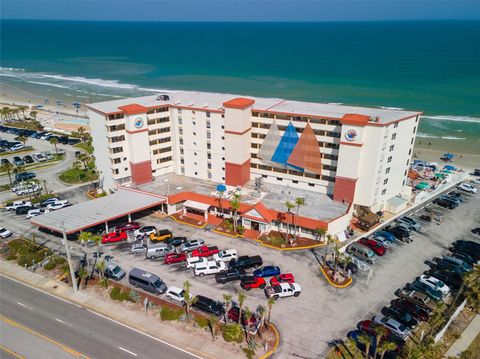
(205, 251)
(114, 237)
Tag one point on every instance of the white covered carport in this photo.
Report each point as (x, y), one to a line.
(196, 207)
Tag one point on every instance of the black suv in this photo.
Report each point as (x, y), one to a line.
(209, 306)
(246, 262)
(401, 315)
(401, 233)
(442, 202)
(229, 275)
(453, 280)
(176, 241)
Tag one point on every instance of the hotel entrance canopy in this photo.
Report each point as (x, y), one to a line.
(98, 211)
(196, 205)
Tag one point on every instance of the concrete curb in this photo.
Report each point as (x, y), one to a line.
(333, 284)
(275, 346)
(188, 224)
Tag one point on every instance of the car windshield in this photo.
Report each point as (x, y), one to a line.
(370, 254)
(402, 327)
(116, 270)
(158, 283)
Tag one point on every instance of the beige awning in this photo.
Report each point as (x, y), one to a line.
(196, 205)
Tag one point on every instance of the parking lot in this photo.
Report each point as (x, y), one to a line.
(48, 173)
(321, 313)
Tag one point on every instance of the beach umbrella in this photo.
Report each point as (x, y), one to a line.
(447, 172)
(439, 175)
(76, 104)
(449, 168)
(221, 188)
(422, 185)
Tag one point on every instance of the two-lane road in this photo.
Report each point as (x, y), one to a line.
(34, 324)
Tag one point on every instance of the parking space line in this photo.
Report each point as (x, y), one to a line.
(61, 321)
(128, 351)
(25, 306)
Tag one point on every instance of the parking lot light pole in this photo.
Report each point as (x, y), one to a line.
(69, 259)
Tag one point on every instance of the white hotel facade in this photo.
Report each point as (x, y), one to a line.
(356, 155)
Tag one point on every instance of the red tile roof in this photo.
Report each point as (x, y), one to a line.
(133, 109)
(240, 103)
(268, 214)
(355, 119)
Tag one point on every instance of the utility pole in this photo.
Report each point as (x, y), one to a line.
(69, 259)
(45, 186)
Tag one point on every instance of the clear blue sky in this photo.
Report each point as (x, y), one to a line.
(240, 10)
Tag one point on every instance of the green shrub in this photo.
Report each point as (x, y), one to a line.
(50, 265)
(115, 294)
(232, 333)
(249, 353)
(202, 323)
(59, 260)
(240, 229)
(11, 257)
(170, 314)
(134, 296)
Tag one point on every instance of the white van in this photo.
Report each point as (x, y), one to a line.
(192, 261)
(210, 267)
(225, 255)
(159, 251)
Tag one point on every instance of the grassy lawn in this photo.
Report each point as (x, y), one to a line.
(85, 146)
(16, 153)
(475, 347)
(4, 187)
(75, 175)
(37, 165)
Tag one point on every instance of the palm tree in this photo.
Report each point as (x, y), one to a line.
(101, 266)
(235, 205)
(66, 270)
(83, 274)
(437, 317)
(380, 332)
(299, 201)
(351, 346)
(228, 302)
(85, 237)
(7, 167)
(22, 109)
(386, 346)
(248, 316)
(289, 206)
(33, 114)
(270, 304)
(367, 341)
(261, 312)
(329, 241)
(81, 133)
(187, 298)
(54, 142)
(212, 323)
(84, 158)
(22, 139)
(241, 303)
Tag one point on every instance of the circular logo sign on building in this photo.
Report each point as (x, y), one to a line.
(138, 122)
(351, 135)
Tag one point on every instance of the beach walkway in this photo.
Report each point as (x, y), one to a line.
(468, 335)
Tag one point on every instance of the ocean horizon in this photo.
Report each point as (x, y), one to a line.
(431, 66)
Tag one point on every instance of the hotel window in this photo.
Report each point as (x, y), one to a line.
(391, 148)
(182, 170)
(194, 133)
(194, 123)
(165, 159)
(223, 137)
(209, 135)
(179, 110)
(394, 136)
(385, 181)
(410, 152)
(411, 142)
(414, 129)
(294, 181)
(223, 127)
(223, 148)
(182, 161)
(395, 125)
(210, 175)
(405, 172)
(209, 166)
(223, 158)
(179, 120)
(408, 161)
(223, 168)
(311, 184)
(209, 156)
(116, 161)
(208, 122)
(180, 131)
(181, 151)
(181, 141)
(117, 149)
(387, 171)
(116, 171)
(194, 153)
(209, 146)
(389, 159)
(208, 114)
(279, 179)
(383, 192)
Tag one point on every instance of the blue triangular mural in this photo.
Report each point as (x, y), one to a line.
(286, 146)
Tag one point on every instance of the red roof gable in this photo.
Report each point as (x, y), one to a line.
(354, 119)
(240, 103)
(133, 109)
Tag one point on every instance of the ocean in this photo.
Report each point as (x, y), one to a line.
(429, 66)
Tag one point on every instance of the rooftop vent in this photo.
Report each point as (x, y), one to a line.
(191, 104)
(205, 104)
(176, 102)
(163, 98)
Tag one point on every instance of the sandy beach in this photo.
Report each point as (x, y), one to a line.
(52, 115)
(466, 162)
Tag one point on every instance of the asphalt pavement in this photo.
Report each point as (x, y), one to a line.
(38, 325)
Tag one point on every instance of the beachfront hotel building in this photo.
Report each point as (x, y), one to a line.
(355, 155)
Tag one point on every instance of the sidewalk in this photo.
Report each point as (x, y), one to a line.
(196, 341)
(468, 335)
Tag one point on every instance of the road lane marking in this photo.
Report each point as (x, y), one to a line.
(31, 331)
(96, 312)
(128, 351)
(61, 321)
(25, 306)
(11, 352)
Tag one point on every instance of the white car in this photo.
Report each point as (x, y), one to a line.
(29, 189)
(5, 233)
(57, 205)
(283, 290)
(16, 147)
(382, 240)
(34, 212)
(435, 284)
(13, 206)
(192, 261)
(138, 249)
(145, 231)
(39, 157)
(176, 294)
(401, 330)
(48, 155)
(467, 188)
(225, 255)
(210, 267)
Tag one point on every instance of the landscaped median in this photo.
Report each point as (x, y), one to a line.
(180, 325)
